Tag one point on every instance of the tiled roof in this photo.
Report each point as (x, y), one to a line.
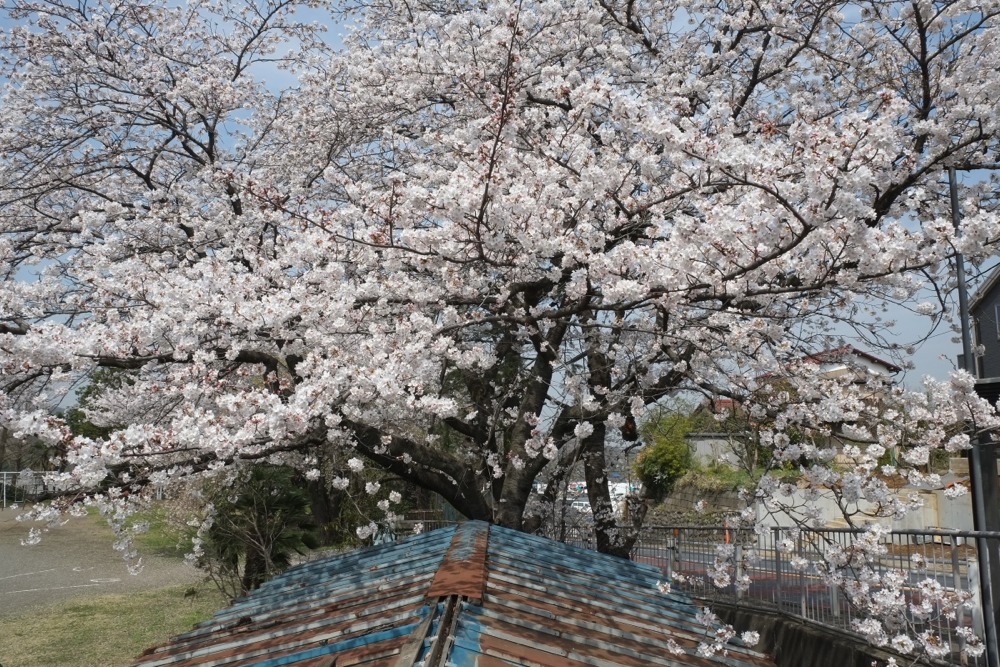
(474, 595)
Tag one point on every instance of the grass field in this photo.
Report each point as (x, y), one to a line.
(164, 537)
(104, 631)
(110, 630)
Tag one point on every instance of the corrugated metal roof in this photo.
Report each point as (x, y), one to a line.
(471, 595)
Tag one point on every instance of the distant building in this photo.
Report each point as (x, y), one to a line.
(730, 445)
(849, 359)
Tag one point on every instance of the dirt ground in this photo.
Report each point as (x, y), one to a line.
(75, 559)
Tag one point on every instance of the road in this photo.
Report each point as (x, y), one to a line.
(75, 559)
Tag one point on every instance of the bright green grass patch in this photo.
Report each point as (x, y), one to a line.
(105, 630)
(166, 536)
(718, 478)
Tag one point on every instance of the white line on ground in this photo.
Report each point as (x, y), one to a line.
(28, 574)
(55, 588)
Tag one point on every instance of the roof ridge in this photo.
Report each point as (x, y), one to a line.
(463, 569)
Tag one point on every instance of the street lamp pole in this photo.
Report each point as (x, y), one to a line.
(976, 468)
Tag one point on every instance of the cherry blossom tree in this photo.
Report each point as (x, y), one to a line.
(481, 238)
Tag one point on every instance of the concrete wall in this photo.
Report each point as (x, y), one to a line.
(683, 499)
(955, 514)
(938, 511)
(792, 642)
(709, 448)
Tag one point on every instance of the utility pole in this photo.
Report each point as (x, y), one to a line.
(982, 464)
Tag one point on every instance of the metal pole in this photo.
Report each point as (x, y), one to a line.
(775, 537)
(975, 454)
(802, 578)
(738, 562)
(956, 575)
(963, 294)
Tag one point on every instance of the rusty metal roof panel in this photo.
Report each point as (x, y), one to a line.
(570, 605)
(465, 596)
(364, 603)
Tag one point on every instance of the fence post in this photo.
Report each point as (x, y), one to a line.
(977, 598)
(956, 583)
(669, 544)
(834, 601)
(738, 583)
(802, 574)
(775, 535)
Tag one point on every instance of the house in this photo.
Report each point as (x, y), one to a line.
(731, 444)
(984, 313)
(472, 595)
(846, 359)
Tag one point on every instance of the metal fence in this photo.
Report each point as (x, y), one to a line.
(19, 487)
(787, 570)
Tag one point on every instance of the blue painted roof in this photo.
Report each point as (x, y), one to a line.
(472, 595)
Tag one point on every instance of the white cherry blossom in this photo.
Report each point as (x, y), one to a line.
(483, 239)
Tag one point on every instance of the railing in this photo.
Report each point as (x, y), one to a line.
(18, 487)
(786, 570)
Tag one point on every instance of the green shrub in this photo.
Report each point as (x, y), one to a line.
(258, 526)
(668, 456)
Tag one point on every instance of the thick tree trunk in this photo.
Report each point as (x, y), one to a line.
(325, 505)
(611, 538)
(514, 499)
(254, 569)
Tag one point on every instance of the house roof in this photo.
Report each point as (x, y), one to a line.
(473, 595)
(847, 351)
(719, 404)
(985, 288)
